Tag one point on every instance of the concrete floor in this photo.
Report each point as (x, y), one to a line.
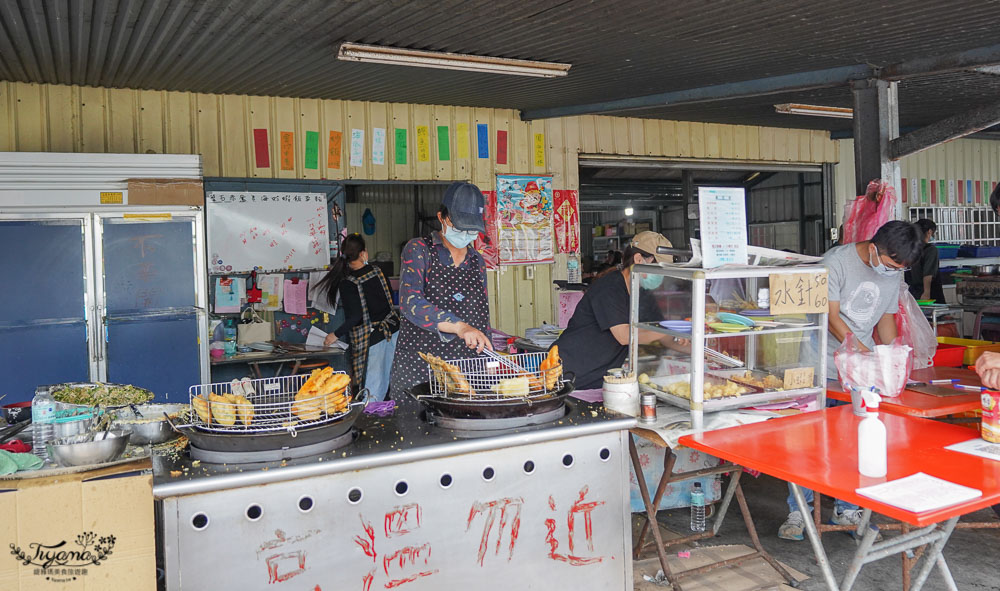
(972, 555)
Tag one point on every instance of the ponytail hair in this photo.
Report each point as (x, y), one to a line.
(350, 249)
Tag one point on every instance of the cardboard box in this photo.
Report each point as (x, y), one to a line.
(100, 522)
(166, 192)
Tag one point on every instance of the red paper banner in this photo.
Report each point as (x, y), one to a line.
(488, 247)
(566, 218)
(501, 147)
(260, 148)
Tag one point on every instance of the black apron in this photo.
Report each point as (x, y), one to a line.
(459, 290)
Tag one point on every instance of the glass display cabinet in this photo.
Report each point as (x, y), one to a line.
(700, 341)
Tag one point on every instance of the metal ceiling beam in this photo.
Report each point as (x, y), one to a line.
(747, 88)
(953, 127)
(940, 64)
(841, 76)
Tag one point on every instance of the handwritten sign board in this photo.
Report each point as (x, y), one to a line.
(798, 293)
(267, 231)
(799, 377)
(722, 211)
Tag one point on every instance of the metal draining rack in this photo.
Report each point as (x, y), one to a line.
(273, 401)
(484, 373)
(961, 225)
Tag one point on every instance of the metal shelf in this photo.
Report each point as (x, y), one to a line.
(652, 326)
(733, 402)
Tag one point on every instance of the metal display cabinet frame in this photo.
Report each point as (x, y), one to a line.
(698, 279)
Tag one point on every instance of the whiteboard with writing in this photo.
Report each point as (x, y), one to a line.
(267, 231)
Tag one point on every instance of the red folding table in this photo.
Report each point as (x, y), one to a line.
(818, 450)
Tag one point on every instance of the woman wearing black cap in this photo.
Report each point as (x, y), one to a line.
(442, 291)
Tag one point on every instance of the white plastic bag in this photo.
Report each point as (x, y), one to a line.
(887, 367)
(914, 330)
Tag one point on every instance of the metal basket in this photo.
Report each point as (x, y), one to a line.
(485, 374)
(272, 400)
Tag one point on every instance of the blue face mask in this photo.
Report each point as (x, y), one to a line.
(651, 281)
(458, 238)
(881, 268)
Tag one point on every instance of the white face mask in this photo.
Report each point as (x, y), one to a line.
(880, 267)
(459, 238)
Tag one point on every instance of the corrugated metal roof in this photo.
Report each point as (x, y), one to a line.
(618, 49)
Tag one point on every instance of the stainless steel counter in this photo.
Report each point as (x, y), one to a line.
(400, 438)
(410, 504)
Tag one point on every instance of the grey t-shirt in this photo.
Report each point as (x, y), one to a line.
(864, 295)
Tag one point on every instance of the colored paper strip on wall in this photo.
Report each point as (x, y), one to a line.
(483, 139)
(400, 146)
(333, 153)
(961, 191)
(261, 152)
(969, 191)
(357, 147)
(915, 191)
(904, 186)
(312, 150)
(934, 192)
(540, 150)
(444, 147)
(501, 147)
(979, 192)
(943, 197)
(924, 197)
(423, 143)
(462, 140)
(378, 145)
(287, 150)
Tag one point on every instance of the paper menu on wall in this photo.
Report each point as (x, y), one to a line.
(978, 447)
(723, 216)
(271, 286)
(919, 492)
(295, 296)
(227, 295)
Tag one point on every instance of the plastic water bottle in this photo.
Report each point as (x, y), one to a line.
(43, 413)
(697, 508)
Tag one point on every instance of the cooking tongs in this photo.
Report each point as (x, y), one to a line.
(503, 359)
(722, 358)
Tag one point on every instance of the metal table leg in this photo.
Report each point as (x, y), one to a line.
(650, 512)
(813, 535)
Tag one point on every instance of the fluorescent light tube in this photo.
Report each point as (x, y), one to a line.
(814, 110)
(376, 54)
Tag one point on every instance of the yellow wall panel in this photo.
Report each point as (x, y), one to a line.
(150, 122)
(60, 103)
(208, 136)
(179, 124)
(220, 128)
(237, 141)
(121, 117)
(93, 125)
(31, 132)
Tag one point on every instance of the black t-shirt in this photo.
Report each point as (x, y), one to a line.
(587, 347)
(927, 265)
(350, 299)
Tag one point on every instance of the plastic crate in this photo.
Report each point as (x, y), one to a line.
(949, 356)
(947, 251)
(971, 251)
(973, 348)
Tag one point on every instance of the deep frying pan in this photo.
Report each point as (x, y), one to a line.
(489, 409)
(237, 441)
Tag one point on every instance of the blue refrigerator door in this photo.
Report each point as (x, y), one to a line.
(43, 326)
(150, 300)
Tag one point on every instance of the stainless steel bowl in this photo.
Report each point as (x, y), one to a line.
(152, 427)
(77, 450)
(73, 427)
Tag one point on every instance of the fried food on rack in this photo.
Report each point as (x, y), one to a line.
(448, 375)
(514, 387)
(324, 391)
(551, 368)
(201, 407)
(244, 409)
(223, 411)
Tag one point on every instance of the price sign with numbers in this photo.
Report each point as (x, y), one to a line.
(798, 293)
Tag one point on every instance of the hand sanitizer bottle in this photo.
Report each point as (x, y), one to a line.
(871, 438)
